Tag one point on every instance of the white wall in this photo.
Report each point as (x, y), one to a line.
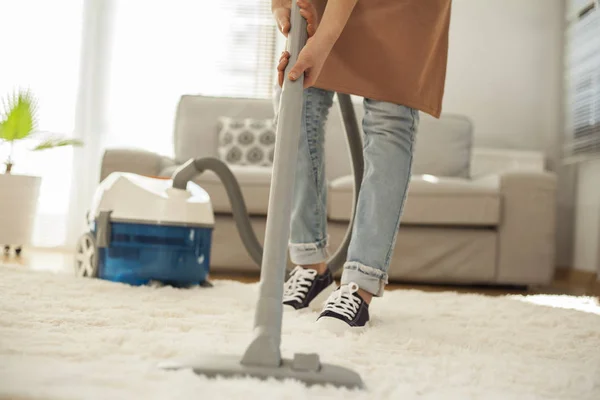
(505, 72)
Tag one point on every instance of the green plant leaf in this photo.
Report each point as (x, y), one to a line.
(19, 119)
(57, 142)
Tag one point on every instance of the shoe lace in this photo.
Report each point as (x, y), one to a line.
(343, 302)
(297, 285)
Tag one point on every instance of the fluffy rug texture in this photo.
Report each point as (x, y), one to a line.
(63, 337)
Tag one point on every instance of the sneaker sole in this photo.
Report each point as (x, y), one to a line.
(287, 308)
(339, 327)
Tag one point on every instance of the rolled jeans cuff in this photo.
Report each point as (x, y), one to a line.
(367, 278)
(309, 253)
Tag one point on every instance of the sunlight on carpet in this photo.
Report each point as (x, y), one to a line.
(67, 338)
(582, 303)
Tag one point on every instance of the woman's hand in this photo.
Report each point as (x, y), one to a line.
(319, 44)
(310, 63)
(312, 57)
(282, 10)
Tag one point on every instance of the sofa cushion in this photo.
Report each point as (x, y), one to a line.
(442, 147)
(246, 141)
(197, 122)
(254, 182)
(432, 201)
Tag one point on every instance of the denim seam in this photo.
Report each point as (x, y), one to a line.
(401, 210)
(365, 137)
(312, 133)
(320, 174)
(315, 166)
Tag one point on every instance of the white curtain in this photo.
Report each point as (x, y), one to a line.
(91, 116)
(40, 45)
(141, 56)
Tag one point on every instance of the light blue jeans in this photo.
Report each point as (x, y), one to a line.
(389, 132)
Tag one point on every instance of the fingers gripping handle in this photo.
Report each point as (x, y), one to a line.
(296, 39)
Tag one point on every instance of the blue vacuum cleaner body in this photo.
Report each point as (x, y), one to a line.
(143, 230)
(140, 253)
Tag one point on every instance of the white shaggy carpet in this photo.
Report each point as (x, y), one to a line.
(68, 338)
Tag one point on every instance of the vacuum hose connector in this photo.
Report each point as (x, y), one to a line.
(194, 167)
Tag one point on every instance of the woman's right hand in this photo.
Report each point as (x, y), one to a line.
(282, 12)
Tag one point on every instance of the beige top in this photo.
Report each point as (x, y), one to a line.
(392, 50)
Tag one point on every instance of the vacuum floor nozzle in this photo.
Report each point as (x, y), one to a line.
(306, 368)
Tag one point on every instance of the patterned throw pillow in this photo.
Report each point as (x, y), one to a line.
(246, 141)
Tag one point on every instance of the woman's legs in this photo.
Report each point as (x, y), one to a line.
(389, 132)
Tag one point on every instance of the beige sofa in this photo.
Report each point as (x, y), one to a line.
(473, 215)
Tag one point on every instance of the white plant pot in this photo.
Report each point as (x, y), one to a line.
(18, 206)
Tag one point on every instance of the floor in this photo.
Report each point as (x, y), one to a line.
(566, 282)
(68, 338)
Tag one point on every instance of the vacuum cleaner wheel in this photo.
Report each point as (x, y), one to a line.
(86, 258)
(18, 250)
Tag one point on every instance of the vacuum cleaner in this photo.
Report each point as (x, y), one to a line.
(144, 229)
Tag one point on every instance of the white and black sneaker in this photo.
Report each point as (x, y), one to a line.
(345, 310)
(305, 288)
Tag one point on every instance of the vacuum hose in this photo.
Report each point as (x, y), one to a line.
(194, 167)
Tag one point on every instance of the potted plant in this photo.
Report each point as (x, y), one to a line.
(19, 193)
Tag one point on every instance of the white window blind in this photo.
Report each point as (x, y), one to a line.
(583, 82)
(247, 68)
(163, 49)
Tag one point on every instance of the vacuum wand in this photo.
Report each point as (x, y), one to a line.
(264, 350)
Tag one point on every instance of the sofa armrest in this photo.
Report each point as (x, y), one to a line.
(526, 242)
(135, 161)
(486, 161)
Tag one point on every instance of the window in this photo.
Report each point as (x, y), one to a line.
(163, 49)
